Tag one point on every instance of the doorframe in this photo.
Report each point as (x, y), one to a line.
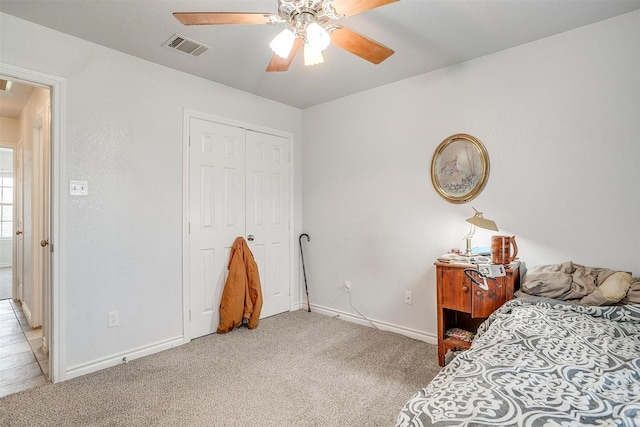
(189, 114)
(54, 296)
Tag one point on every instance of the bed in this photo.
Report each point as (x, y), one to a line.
(541, 361)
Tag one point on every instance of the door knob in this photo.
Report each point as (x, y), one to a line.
(44, 243)
(18, 232)
(250, 237)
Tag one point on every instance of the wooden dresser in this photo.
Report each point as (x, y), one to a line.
(462, 304)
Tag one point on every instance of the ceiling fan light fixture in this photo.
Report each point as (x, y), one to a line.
(282, 43)
(308, 23)
(312, 56)
(317, 36)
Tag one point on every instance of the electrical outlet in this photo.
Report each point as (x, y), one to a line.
(347, 286)
(408, 297)
(113, 319)
(78, 188)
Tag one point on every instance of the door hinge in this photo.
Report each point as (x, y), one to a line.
(189, 228)
(289, 155)
(189, 140)
(189, 315)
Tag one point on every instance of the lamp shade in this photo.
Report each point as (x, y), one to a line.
(282, 43)
(480, 221)
(312, 56)
(317, 37)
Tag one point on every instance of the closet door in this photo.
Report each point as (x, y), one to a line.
(268, 216)
(239, 185)
(216, 215)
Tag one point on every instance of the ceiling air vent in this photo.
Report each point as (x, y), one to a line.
(185, 45)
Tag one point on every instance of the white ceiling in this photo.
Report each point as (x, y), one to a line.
(12, 101)
(425, 34)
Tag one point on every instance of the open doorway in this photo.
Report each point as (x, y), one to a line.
(25, 137)
(7, 202)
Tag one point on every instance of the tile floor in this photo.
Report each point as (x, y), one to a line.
(23, 364)
(6, 282)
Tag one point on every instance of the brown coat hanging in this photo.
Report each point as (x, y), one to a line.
(241, 300)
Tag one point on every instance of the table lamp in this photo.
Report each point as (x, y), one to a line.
(477, 220)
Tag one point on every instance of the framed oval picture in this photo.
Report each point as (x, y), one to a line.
(460, 168)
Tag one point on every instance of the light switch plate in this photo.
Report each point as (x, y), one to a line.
(78, 188)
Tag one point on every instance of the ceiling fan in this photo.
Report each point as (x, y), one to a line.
(308, 22)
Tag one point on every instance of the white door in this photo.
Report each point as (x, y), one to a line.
(238, 186)
(17, 211)
(45, 229)
(33, 232)
(216, 210)
(268, 216)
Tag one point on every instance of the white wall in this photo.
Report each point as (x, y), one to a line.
(560, 119)
(9, 130)
(122, 244)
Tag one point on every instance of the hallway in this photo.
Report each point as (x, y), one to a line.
(5, 283)
(23, 363)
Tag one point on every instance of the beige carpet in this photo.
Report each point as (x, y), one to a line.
(295, 369)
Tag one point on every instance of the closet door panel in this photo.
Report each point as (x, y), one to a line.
(268, 216)
(217, 215)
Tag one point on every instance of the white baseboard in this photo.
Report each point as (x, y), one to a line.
(117, 359)
(26, 311)
(383, 326)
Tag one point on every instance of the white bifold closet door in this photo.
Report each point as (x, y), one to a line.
(238, 186)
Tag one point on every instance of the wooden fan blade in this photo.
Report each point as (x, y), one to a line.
(224, 18)
(351, 7)
(282, 64)
(360, 45)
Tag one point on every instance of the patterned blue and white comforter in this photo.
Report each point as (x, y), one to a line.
(540, 362)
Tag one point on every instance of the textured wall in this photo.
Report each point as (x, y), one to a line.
(560, 119)
(123, 243)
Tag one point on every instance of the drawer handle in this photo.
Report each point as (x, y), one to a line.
(465, 289)
(479, 293)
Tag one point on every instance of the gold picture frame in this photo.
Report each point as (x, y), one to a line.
(460, 168)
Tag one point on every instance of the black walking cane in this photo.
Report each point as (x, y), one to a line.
(304, 273)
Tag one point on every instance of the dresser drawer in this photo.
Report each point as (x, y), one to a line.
(454, 289)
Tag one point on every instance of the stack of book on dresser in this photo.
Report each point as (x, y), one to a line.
(454, 258)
